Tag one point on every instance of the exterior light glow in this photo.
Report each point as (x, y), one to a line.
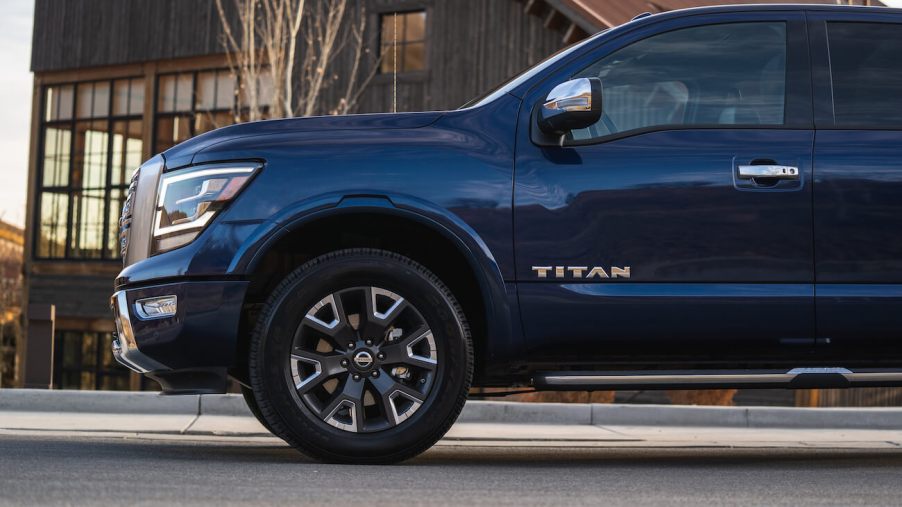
(156, 307)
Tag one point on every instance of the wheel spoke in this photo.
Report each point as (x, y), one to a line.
(378, 317)
(385, 315)
(326, 366)
(367, 326)
(403, 351)
(392, 395)
(328, 326)
(349, 399)
(337, 329)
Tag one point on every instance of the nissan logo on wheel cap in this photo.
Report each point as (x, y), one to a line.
(363, 359)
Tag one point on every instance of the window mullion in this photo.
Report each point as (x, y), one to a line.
(403, 44)
(193, 119)
(107, 194)
(70, 190)
(39, 184)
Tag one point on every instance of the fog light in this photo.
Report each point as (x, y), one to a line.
(156, 308)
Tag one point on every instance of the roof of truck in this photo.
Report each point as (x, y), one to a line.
(602, 14)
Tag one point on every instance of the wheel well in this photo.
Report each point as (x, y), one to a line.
(405, 236)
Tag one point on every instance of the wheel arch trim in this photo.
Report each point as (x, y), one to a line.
(501, 334)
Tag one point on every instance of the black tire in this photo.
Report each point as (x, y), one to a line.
(248, 395)
(377, 434)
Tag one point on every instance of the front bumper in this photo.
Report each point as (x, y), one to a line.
(125, 347)
(189, 352)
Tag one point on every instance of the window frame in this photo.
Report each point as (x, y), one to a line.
(401, 10)
(69, 190)
(193, 111)
(822, 75)
(98, 370)
(797, 105)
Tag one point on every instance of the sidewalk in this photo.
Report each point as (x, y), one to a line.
(483, 423)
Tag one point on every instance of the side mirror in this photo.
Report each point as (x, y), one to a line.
(574, 104)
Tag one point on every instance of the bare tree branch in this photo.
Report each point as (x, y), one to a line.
(283, 52)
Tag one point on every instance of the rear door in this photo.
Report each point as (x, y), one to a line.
(720, 266)
(858, 185)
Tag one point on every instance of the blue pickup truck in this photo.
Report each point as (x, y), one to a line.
(704, 198)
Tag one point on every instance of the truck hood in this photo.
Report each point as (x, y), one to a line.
(182, 154)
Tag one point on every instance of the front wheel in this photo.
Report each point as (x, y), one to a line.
(361, 356)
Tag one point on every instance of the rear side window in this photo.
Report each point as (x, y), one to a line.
(866, 70)
(726, 74)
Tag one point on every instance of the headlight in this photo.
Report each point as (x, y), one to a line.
(188, 200)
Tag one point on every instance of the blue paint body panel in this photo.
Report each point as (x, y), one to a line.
(857, 221)
(723, 273)
(603, 325)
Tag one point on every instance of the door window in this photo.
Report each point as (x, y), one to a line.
(727, 74)
(866, 71)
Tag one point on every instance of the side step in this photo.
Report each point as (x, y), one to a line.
(796, 378)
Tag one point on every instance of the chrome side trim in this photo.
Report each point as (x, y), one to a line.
(876, 376)
(125, 348)
(702, 379)
(764, 377)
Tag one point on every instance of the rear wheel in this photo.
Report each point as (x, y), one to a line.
(361, 356)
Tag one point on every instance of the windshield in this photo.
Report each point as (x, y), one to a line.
(510, 84)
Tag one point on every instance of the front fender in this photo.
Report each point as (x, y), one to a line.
(504, 339)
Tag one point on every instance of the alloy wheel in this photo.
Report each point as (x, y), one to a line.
(363, 359)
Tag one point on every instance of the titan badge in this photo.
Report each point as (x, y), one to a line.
(581, 272)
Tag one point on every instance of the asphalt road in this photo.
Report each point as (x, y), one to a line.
(88, 471)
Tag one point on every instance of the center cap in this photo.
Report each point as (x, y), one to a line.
(363, 359)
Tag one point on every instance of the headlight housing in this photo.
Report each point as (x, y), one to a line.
(189, 199)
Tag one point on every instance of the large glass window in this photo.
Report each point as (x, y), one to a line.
(84, 360)
(866, 68)
(729, 74)
(191, 103)
(403, 34)
(92, 140)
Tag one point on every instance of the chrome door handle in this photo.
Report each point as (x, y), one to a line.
(780, 172)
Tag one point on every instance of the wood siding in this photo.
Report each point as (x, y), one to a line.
(71, 34)
(82, 298)
(472, 45)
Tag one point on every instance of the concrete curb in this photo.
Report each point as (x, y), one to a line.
(534, 413)
(109, 402)
(105, 402)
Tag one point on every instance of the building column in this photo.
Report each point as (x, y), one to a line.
(37, 369)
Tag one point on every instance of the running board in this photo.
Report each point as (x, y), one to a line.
(796, 378)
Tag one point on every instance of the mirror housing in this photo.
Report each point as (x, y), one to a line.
(573, 104)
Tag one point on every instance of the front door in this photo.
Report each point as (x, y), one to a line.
(646, 240)
(858, 188)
